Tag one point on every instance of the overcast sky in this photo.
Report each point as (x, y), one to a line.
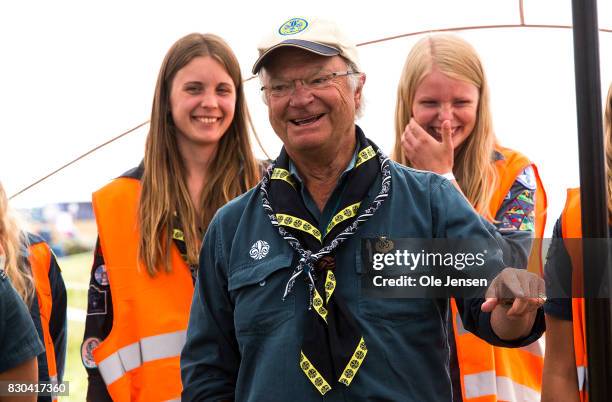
(77, 73)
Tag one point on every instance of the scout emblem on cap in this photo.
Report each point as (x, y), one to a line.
(259, 250)
(293, 26)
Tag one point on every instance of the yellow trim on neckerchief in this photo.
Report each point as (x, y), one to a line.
(282, 174)
(346, 213)
(350, 371)
(317, 303)
(313, 375)
(365, 155)
(299, 224)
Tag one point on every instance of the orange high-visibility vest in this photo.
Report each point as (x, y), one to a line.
(491, 373)
(571, 228)
(39, 257)
(140, 358)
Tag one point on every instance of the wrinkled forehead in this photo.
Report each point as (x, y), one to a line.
(288, 61)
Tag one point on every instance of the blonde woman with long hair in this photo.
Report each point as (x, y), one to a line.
(443, 124)
(27, 261)
(566, 364)
(151, 221)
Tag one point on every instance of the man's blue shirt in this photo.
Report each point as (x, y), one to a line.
(243, 340)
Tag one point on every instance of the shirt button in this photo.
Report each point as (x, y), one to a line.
(262, 283)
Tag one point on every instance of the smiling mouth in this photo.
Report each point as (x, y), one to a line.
(207, 120)
(436, 132)
(307, 120)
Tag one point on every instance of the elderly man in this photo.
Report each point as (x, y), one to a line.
(278, 313)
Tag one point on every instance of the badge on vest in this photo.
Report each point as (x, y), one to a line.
(96, 301)
(101, 276)
(259, 250)
(87, 349)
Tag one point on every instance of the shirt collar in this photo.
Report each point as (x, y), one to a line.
(294, 172)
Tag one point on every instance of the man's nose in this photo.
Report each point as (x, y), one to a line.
(301, 94)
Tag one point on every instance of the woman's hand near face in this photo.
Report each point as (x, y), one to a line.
(424, 152)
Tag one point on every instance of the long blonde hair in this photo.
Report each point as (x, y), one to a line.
(12, 239)
(608, 134)
(165, 193)
(456, 58)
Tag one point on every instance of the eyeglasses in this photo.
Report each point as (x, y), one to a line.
(280, 89)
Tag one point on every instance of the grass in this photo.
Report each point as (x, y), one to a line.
(76, 271)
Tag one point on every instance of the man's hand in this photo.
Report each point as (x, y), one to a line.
(514, 297)
(426, 152)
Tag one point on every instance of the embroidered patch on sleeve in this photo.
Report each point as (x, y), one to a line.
(521, 213)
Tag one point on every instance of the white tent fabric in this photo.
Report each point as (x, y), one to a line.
(76, 74)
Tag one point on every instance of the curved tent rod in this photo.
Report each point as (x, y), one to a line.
(371, 42)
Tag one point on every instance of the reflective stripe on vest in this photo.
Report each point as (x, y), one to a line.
(503, 388)
(491, 373)
(581, 370)
(147, 349)
(571, 228)
(54, 382)
(40, 261)
(536, 348)
(140, 358)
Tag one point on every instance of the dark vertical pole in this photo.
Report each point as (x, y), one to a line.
(593, 196)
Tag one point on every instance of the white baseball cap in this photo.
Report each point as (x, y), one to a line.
(315, 35)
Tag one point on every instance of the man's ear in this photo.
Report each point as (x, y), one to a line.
(359, 91)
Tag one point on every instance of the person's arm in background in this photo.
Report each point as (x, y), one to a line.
(98, 324)
(500, 326)
(26, 372)
(210, 358)
(559, 378)
(19, 342)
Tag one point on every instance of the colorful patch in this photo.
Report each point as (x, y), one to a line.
(96, 301)
(101, 276)
(527, 224)
(520, 215)
(87, 348)
(526, 198)
(293, 26)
